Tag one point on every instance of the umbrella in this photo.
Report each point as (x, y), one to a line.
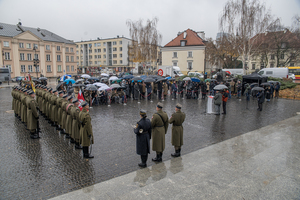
(274, 82)
(104, 87)
(104, 74)
(128, 77)
(208, 79)
(161, 79)
(168, 77)
(122, 87)
(257, 88)
(43, 78)
(137, 79)
(143, 76)
(265, 84)
(91, 88)
(78, 85)
(94, 78)
(117, 80)
(220, 87)
(99, 84)
(64, 77)
(186, 79)
(69, 80)
(115, 86)
(172, 79)
(36, 80)
(194, 79)
(149, 80)
(58, 85)
(86, 82)
(85, 76)
(113, 78)
(254, 85)
(155, 77)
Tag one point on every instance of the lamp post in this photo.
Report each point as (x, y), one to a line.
(35, 61)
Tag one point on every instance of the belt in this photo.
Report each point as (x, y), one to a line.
(159, 126)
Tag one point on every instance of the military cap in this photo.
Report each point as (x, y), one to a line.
(60, 92)
(143, 112)
(178, 105)
(66, 95)
(49, 89)
(75, 101)
(70, 97)
(84, 103)
(54, 91)
(160, 105)
(30, 92)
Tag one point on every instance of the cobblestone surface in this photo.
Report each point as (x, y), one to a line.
(50, 166)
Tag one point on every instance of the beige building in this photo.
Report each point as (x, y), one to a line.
(21, 45)
(95, 55)
(186, 51)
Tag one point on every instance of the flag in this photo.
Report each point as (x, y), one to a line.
(29, 77)
(80, 99)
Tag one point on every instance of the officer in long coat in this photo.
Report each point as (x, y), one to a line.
(53, 110)
(58, 109)
(177, 119)
(75, 134)
(159, 124)
(143, 136)
(24, 106)
(32, 115)
(69, 118)
(64, 113)
(86, 131)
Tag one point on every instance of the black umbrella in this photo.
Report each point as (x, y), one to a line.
(149, 80)
(254, 85)
(59, 84)
(78, 85)
(220, 87)
(122, 87)
(257, 89)
(43, 78)
(265, 84)
(137, 79)
(161, 79)
(91, 88)
(171, 79)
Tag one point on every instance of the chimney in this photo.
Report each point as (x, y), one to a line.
(201, 34)
(178, 33)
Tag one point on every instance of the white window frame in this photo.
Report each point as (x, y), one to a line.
(5, 43)
(188, 62)
(190, 52)
(175, 54)
(22, 56)
(67, 68)
(59, 68)
(72, 49)
(29, 56)
(72, 58)
(30, 68)
(48, 57)
(48, 67)
(28, 45)
(58, 58)
(23, 68)
(67, 59)
(72, 68)
(48, 47)
(21, 45)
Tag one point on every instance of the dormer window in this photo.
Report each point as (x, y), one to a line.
(182, 43)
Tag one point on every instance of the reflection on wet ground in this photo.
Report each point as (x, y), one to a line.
(51, 166)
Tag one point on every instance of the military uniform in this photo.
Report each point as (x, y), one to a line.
(86, 131)
(63, 112)
(24, 108)
(75, 132)
(32, 116)
(58, 107)
(69, 119)
(143, 136)
(177, 119)
(159, 124)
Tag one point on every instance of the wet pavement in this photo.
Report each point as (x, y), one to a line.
(50, 166)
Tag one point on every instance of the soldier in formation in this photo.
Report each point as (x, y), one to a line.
(61, 111)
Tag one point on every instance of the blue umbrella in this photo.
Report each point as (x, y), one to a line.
(64, 77)
(197, 80)
(128, 77)
(69, 80)
(168, 77)
(143, 76)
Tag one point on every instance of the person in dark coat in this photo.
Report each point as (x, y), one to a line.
(149, 90)
(272, 90)
(268, 93)
(174, 89)
(159, 89)
(143, 136)
(260, 99)
(217, 102)
(225, 95)
(277, 88)
(136, 90)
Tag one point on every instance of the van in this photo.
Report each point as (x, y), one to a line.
(196, 74)
(275, 72)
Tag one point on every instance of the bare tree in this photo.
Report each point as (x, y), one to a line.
(245, 19)
(145, 41)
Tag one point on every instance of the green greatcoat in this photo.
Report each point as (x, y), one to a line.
(86, 131)
(53, 109)
(69, 118)
(24, 108)
(41, 106)
(14, 101)
(63, 113)
(177, 119)
(75, 134)
(19, 103)
(58, 110)
(47, 95)
(159, 129)
(32, 114)
(37, 96)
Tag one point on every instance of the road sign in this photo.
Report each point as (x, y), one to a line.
(160, 72)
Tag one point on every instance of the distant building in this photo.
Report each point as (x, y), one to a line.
(94, 55)
(186, 51)
(20, 45)
(221, 35)
(274, 49)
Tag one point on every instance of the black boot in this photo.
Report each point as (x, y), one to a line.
(72, 140)
(68, 136)
(87, 154)
(158, 157)
(176, 154)
(77, 145)
(144, 161)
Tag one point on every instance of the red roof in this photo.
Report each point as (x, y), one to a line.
(192, 39)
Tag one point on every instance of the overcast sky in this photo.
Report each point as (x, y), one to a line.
(88, 19)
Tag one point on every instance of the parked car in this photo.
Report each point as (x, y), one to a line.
(275, 72)
(196, 74)
(17, 79)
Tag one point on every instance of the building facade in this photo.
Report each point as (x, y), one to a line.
(20, 46)
(96, 55)
(186, 51)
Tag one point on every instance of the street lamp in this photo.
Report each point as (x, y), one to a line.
(35, 61)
